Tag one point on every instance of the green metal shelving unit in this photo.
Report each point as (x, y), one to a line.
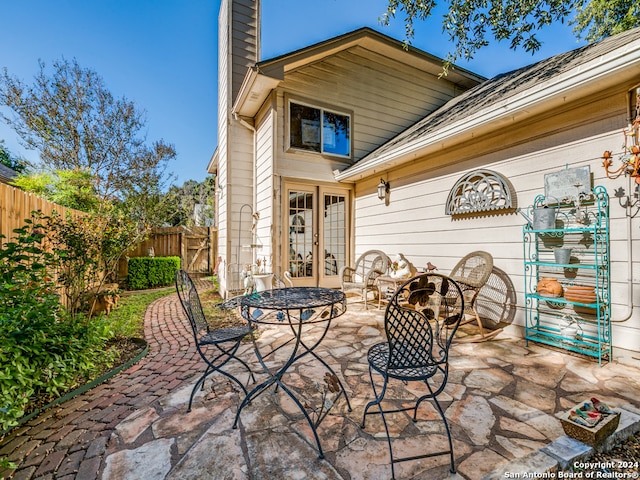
(584, 227)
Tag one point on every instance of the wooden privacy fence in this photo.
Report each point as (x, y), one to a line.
(196, 247)
(16, 205)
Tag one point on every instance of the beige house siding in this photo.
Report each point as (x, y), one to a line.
(265, 188)
(384, 96)
(364, 74)
(244, 35)
(238, 49)
(415, 224)
(223, 106)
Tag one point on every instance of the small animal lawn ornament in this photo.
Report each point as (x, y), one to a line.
(401, 267)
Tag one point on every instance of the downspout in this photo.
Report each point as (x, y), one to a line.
(245, 124)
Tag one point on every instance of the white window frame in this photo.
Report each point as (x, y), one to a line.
(322, 109)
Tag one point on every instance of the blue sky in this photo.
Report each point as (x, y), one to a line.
(162, 54)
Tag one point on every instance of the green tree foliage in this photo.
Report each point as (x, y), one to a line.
(87, 251)
(90, 246)
(69, 188)
(470, 24)
(75, 123)
(183, 200)
(94, 158)
(603, 18)
(16, 164)
(43, 350)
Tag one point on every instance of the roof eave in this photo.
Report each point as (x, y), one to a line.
(368, 38)
(213, 162)
(594, 75)
(254, 90)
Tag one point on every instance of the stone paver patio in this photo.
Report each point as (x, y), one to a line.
(501, 400)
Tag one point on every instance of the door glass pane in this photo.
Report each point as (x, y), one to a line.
(334, 233)
(301, 234)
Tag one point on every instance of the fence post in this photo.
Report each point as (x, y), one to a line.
(183, 248)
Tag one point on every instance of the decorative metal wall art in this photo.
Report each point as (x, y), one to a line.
(630, 157)
(568, 185)
(480, 191)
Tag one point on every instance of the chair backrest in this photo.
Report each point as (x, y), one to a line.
(473, 269)
(372, 260)
(420, 321)
(190, 301)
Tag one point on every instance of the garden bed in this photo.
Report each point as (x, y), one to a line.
(129, 352)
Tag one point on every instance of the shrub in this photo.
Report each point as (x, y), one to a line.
(88, 249)
(43, 349)
(150, 272)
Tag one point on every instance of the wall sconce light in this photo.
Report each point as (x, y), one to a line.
(383, 189)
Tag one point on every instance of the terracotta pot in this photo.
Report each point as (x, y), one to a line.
(581, 294)
(549, 287)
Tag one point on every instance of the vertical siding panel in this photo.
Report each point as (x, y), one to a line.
(265, 190)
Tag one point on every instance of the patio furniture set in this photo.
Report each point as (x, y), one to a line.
(372, 273)
(421, 319)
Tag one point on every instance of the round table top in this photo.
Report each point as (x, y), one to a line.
(293, 298)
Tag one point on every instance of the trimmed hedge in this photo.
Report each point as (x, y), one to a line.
(151, 272)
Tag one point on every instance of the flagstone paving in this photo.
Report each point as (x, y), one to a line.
(501, 401)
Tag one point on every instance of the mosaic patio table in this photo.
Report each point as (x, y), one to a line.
(297, 308)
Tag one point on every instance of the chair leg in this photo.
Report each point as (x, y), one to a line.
(244, 364)
(231, 355)
(386, 430)
(446, 427)
(482, 337)
(199, 383)
(211, 368)
(377, 398)
(378, 402)
(478, 321)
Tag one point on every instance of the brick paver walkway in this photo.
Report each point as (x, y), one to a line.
(502, 401)
(69, 441)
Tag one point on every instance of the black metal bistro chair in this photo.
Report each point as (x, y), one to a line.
(225, 341)
(420, 321)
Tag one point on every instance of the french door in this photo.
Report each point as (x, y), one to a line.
(317, 240)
